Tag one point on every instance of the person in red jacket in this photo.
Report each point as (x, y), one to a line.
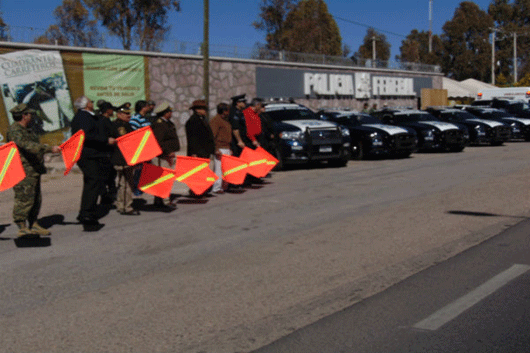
(253, 121)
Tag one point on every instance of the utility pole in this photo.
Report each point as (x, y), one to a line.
(373, 50)
(494, 31)
(430, 26)
(514, 57)
(206, 58)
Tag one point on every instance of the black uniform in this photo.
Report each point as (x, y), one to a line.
(109, 193)
(94, 162)
(237, 120)
(200, 137)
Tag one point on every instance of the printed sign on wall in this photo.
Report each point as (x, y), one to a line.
(114, 78)
(37, 78)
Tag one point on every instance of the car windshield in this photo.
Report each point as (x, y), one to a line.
(353, 118)
(520, 106)
(462, 115)
(368, 119)
(290, 114)
(413, 117)
(497, 114)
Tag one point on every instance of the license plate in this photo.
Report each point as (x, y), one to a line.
(325, 149)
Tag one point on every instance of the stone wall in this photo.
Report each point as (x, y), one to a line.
(179, 81)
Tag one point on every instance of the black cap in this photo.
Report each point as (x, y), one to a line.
(240, 98)
(106, 106)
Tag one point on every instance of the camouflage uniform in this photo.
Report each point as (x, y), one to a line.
(28, 196)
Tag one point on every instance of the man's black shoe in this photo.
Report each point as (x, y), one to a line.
(88, 221)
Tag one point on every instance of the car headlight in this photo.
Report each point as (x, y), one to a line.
(292, 135)
(428, 135)
(481, 131)
(377, 140)
(515, 127)
(344, 131)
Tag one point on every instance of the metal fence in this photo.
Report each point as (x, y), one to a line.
(258, 52)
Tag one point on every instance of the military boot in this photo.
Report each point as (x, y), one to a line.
(23, 230)
(37, 229)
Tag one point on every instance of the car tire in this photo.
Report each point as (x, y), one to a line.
(456, 148)
(496, 143)
(338, 162)
(278, 156)
(403, 154)
(358, 151)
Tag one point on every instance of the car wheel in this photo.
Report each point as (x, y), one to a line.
(403, 154)
(278, 156)
(496, 143)
(338, 162)
(358, 151)
(456, 148)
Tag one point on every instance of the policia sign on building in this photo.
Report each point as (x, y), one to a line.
(293, 83)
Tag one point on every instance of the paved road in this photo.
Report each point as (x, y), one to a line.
(242, 270)
(477, 301)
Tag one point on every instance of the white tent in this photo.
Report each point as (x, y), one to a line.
(475, 86)
(464, 89)
(456, 90)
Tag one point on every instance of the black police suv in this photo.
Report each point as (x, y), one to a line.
(520, 127)
(302, 138)
(433, 134)
(481, 131)
(369, 137)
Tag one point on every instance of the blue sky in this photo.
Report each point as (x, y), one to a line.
(230, 20)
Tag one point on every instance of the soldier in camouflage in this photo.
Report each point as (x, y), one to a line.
(28, 196)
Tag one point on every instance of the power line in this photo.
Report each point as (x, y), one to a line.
(368, 26)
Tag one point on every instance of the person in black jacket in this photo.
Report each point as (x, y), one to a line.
(239, 126)
(198, 132)
(93, 162)
(166, 136)
(105, 113)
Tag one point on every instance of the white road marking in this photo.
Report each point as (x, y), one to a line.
(451, 311)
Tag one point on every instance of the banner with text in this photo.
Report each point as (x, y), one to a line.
(114, 78)
(37, 78)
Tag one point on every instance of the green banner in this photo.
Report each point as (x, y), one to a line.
(114, 78)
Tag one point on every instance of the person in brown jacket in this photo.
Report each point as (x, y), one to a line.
(222, 133)
(166, 136)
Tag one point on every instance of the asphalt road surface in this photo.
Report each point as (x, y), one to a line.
(239, 271)
(477, 301)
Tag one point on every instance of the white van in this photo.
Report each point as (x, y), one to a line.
(509, 92)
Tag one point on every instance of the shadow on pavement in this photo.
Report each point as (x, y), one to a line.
(32, 242)
(482, 214)
(3, 228)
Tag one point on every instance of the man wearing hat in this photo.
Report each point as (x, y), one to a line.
(239, 127)
(124, 197)
(166, 136)
(28, 197)
(198, 132)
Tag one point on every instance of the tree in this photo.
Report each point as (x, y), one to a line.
(415, 49)
(467, 51)
(504, 16)
(3, 30)
(74, 27)
(382, 46)
(140, 22)
(309, 28)
(272, 17)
